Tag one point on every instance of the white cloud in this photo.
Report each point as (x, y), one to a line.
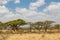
(39, 17)
(3, 1)
(33, 15)
(17, 1)
(11, 16)
(3, 10)
(6, 15)
(36, 4)
(54, 9)
(25, 12)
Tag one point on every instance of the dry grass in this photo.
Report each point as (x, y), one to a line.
(31, 36)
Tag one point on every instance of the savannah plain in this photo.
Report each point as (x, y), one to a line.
(37, 31)
(30, 36)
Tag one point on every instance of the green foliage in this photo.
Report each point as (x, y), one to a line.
(15, 24)
(1, 25)
(57, 26)
(47, 24)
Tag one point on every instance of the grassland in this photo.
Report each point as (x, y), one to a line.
(30, 36)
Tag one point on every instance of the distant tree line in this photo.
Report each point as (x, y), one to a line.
(40, 25)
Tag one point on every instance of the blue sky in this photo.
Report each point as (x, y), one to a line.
(25, 4)
(22, 4)
(30, 10)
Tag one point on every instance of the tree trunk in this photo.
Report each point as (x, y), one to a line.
(46, 29)
(30, 29)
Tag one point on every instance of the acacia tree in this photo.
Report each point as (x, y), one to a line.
(47, 24)
(57, 26)
(31, 25)
(39, 25)
(35, 25)
(1, 25)
(14, 24)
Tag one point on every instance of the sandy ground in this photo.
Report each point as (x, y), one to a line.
(30, 36)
